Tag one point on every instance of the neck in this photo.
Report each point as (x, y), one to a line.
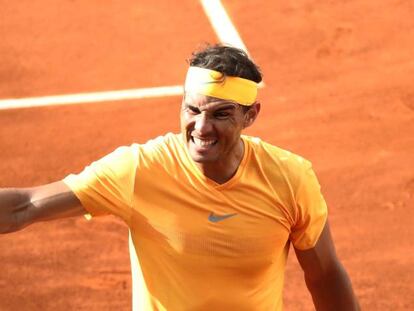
(225, 168)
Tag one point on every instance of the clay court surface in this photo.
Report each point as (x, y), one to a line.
(339, 91)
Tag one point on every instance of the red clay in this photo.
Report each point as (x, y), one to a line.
(338, 91)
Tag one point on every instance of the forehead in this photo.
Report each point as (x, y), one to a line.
(206, 102)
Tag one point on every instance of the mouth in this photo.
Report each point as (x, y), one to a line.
(203, 143)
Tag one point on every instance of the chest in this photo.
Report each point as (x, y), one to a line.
(242, 221)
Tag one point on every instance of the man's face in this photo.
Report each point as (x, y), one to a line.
(211, 127)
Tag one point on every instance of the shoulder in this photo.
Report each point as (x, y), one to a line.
(133, 154)
(272, 157)
(161, 146)
(160, 152)
(168, 140)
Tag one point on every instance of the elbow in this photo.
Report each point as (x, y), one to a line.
(332, 289)
(326, 275)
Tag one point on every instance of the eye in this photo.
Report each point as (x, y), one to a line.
(221, 114)
(192, 110)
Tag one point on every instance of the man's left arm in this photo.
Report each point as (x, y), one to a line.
(325, 277)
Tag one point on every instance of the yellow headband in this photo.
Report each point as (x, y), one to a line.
(211, 83)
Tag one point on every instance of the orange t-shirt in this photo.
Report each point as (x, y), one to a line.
(199, 245)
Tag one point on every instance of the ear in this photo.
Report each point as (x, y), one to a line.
(251, 114)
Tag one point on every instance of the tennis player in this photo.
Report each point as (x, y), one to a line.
(212, 213)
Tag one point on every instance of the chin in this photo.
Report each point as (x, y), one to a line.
(202, 157)
(199, 158)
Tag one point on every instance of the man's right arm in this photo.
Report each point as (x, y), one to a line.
(20, 207)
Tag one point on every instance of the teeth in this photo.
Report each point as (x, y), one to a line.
(203, 142)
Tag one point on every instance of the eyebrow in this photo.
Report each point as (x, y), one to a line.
(220, 108)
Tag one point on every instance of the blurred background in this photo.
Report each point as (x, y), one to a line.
(338, 90)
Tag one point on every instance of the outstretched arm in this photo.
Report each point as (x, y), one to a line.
(20, 207)
(325, 276)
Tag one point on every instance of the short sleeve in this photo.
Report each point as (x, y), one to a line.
(311, 210)
(106, 186)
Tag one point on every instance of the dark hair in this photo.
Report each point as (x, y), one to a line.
(228, 60)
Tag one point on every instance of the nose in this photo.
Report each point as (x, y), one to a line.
(202, 124)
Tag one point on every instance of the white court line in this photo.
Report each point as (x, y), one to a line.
(91, 97)
(221, 24)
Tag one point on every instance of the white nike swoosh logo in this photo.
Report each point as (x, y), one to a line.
(217, 218)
